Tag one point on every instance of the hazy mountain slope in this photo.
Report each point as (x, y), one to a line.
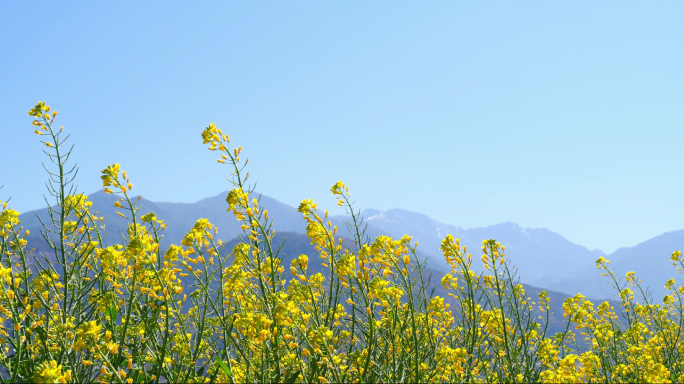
(179, 218)
(650, 260)
(540, 254)
(113, 224)
(285, 218)
(537, 252)
(544, 258)
(427, 232)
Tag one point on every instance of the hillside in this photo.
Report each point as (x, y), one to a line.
(539, 253)
(650, 260)
(543, 258)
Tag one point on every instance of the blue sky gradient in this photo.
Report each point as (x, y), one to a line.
(563, 115)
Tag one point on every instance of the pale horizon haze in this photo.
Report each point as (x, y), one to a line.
(559, 115)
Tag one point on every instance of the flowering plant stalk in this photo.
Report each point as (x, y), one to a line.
(199, 312)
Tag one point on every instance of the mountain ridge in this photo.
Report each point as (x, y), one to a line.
(543, 258)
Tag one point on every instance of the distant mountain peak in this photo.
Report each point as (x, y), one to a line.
(99, 192)
(398, 214)
(507, 225)
(543, 257)
(370, 212)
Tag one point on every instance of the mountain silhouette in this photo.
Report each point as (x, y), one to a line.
(538, 253)
(649, 259)
(543, 258)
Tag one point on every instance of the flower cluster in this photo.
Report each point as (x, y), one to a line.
(199, 311)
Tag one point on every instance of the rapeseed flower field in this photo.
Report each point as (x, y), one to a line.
(126, 313)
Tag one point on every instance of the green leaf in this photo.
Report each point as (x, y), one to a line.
(292, 378)
(113, 313)
(224, 367)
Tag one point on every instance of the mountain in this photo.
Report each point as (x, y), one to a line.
(543, 258)
(179, 218)
(426, 231)
(539, 254)
(289, 226)
(650, 260)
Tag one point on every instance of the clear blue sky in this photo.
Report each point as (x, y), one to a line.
(563, 115)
